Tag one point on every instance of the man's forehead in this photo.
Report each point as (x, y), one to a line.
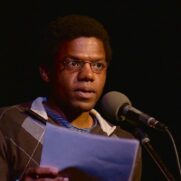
(89, 48)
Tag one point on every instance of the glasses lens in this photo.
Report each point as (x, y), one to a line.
(72, 64)
(97, 66)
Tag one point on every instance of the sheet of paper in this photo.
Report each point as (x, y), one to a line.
(105, 158)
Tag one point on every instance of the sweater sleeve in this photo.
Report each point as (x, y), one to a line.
(3, 159)
(137, 174)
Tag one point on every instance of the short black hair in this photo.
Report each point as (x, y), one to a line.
(70, 27)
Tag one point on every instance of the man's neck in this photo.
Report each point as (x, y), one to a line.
(82, 120)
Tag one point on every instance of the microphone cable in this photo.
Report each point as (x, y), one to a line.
(175, 150)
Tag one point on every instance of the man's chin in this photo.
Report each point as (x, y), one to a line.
(83, 107)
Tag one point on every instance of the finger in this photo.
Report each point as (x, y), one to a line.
(42, 172)
(62, 179)
(54, 179)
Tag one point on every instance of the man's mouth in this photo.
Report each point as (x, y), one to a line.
(85, 93)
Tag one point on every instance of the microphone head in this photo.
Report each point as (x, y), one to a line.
(112, 102)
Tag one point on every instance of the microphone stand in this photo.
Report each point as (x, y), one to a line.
(145, 141)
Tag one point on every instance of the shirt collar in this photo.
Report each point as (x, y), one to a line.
(37, 107)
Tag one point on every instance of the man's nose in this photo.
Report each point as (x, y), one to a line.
(86, 73)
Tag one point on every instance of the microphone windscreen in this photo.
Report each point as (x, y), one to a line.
(112, 102)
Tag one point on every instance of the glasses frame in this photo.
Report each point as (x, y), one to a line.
(68, 64)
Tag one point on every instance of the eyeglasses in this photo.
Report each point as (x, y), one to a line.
(76, 65)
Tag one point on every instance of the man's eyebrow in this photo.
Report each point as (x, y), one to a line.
(90, 59)
(72, 57)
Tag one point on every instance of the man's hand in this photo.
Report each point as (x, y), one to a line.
(42, 174)
(75, 174)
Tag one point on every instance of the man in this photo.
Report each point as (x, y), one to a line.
(76, 56)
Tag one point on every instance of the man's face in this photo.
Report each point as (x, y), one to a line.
(78, 90)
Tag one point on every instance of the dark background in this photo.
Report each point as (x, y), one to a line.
(145, 37)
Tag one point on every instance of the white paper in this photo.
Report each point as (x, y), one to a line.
(106, 158)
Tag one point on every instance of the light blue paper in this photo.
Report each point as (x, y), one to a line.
(107, 158)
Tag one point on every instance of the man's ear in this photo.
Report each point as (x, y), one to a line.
(44, 73)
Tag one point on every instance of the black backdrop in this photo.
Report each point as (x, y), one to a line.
(145, 38)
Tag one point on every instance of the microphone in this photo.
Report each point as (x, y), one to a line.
(116, 106)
